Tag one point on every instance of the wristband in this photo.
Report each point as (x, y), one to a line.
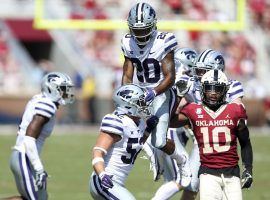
(101, 149)
(96, 160)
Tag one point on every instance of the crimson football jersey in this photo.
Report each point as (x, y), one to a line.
(216, 133)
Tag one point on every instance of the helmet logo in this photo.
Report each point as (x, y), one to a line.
(52, 76)
(152, 13)
(190, 55)
(219, 60)
(126, 94)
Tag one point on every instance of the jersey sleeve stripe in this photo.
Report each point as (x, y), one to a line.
(40, 102)
(170, 46)
(112, 126)
(45, 107)
(170, 38)
(114, 119)
(236, 92)
(185, 78)
(236, 84)
(44, 112)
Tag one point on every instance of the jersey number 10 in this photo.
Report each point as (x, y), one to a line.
(209, 147)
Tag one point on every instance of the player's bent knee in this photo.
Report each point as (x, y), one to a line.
(159, 144)
(188, 195)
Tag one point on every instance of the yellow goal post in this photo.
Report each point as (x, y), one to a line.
(88, 24)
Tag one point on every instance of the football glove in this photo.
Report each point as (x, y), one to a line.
(246, 179)
(182, 87)
(106, 180)
(150, 95)
(151, 123)
(41, 179)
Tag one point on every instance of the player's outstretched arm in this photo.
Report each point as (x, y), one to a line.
(246, 153)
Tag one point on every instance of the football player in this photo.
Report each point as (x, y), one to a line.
(36, 125)
(207, 60)
(151, 53)
(217, 125)
(120, 140)
(184, 59)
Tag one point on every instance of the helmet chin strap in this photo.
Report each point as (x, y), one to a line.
(214, 107)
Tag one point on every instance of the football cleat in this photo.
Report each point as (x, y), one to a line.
(185, 173)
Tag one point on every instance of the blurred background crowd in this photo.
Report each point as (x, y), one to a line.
(94, 58)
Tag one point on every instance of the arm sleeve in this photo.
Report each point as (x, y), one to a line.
(170, 44)
(246, 148)
(32, 153)
(235, 91)
(112, 124)
(45, 108)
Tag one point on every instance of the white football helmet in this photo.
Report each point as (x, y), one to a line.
(208, 60)
(142, 22)
(129, 100)
(184, 59)
(58, 87)
(214, 88)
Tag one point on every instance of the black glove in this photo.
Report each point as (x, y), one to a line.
(151, 123)
(246, 179)
(182, 87)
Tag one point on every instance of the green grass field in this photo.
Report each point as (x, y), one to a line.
(67, 160)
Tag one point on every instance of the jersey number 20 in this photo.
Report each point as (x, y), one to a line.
(147, 71)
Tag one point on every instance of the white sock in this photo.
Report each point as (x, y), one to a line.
(166, 191)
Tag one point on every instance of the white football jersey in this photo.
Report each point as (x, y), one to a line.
(235, 91)
(120, 159)
(147, 60)
(41, 105)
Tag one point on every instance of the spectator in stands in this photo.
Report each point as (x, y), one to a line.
(88, 111)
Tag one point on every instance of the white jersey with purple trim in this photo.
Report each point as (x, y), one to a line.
(38, 105)
(147, 60)
(235, 91)
(120, 159)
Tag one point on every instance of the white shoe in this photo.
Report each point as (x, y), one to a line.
(185, 174)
